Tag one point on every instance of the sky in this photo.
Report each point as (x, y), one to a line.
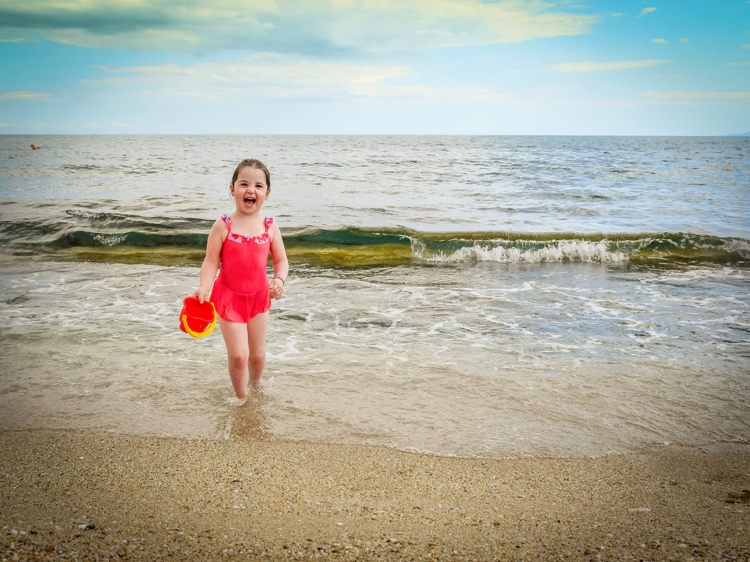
(496, 67)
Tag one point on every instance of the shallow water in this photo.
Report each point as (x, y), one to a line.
(425, 310)
(492, 361)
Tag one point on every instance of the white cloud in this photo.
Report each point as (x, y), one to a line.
(286, 78)
(281, 78)
(257, 76)
(264, 79)
(660, 41)
(698, 97)
(25, 96)
(310, 27)
(684, 40)
(700, 94)
(172, 39)
(604, 66)
(740, 63)
(646, 11)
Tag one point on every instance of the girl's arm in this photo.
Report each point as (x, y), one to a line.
(211, 262)
(280, 263)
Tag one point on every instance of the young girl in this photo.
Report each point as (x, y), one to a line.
(240, 243)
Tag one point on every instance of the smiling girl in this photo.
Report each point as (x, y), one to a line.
(238, 248)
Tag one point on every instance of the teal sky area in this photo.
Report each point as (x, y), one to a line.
(566, 67)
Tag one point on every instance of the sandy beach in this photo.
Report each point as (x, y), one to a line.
(82, 495)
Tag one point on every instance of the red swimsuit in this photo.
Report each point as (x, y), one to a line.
(241, 289)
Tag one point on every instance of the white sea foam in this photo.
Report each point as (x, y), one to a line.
(557, 252)
(739, 246)
(110, 239)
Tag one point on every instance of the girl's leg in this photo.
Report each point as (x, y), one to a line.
(256, 342)
(238, 353)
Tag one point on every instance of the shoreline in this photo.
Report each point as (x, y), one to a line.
(76, 494)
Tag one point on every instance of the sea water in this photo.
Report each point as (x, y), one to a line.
(479, 296)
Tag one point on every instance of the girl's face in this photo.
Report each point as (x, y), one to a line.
(249, 190)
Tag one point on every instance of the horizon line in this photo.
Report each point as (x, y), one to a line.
(121, 134)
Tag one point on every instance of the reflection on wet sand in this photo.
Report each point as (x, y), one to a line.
(249, 421)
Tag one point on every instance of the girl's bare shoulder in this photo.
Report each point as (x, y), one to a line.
(220, 227)
(273, 228)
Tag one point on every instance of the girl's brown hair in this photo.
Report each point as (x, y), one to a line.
(252, 163)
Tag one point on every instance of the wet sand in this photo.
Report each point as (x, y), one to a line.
(82, 495)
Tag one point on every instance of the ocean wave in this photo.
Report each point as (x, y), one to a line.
(581, 251)
(101, 236)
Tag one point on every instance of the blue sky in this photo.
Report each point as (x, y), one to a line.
(671, 67)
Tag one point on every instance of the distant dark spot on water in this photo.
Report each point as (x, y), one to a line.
(369, 323)
(590, 196)
(142, 172)
(80, 167)
(17, 300)
(298, 317)
(322, 164)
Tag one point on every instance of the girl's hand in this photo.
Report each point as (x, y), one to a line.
(276, 289)
(201, 295)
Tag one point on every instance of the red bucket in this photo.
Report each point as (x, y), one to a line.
(197, 319)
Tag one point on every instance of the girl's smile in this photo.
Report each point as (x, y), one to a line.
(250, 190)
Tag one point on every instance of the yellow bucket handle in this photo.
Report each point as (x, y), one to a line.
(204, 333)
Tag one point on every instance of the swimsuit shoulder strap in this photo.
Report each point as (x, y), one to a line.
(268, 222)
(228, 220)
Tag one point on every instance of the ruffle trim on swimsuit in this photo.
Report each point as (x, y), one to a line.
(242, 239)
(239, 307)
